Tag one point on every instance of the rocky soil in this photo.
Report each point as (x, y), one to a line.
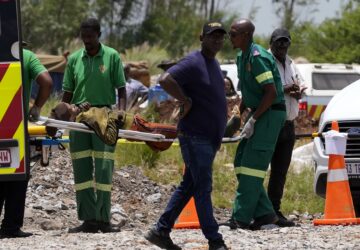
(136, 204)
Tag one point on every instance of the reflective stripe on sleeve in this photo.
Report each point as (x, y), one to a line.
(104, 155)
(337, 175)
(81, 154)
(250, 172)
(84, 185)
(103, 187)
(264, 76)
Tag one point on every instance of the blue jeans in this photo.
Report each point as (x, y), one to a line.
(198, 154)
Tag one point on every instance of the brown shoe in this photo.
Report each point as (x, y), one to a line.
(88, 226)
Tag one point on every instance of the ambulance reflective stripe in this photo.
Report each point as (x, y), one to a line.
(264, 76)
(250, 172)
(337, 175)
(314, 111)
(11, 110)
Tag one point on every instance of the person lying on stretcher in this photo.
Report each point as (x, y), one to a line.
(104, 121)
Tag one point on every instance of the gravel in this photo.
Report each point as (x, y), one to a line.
(136, 204)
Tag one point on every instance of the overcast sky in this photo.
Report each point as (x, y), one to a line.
(266, 20)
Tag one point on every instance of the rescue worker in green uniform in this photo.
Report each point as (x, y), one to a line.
(262, 93)
(92, 75)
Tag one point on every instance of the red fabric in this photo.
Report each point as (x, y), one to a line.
(141, 125)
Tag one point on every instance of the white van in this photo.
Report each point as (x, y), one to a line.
(323, 81)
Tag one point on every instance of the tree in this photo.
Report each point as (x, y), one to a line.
(51, 25)
(116, 17)
(175, 24)
(336, 40)
(286, 10)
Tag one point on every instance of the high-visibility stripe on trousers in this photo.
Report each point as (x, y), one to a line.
(93, 189)
(251, 162)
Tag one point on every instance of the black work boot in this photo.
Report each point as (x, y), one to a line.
(217, 245)
(263, 220)
(234, 224)
(13, 234)
(88, 226)
(161, 239)
(283, 221)
(106, 227)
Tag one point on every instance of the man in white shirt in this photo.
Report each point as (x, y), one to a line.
(293, 88)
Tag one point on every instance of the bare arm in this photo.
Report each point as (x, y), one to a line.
(45, 85)
(266, 101)
(170, 85)
(122, 98)
(67, 96)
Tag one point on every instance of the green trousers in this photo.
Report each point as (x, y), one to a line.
(251, 162)
(93, 191)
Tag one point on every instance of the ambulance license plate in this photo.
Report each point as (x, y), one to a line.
(353, 169)
(5, 158)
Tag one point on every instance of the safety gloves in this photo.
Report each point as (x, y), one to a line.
(248, 128)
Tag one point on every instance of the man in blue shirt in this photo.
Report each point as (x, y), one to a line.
(197, 83)
(135, 90)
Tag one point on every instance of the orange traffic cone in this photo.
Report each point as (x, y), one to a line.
(339, 208)
(188, 217)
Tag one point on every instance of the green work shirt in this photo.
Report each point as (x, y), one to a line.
(32, 68)
(94, 79)
(257, 67)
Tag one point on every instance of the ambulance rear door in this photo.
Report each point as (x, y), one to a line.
(13, 123)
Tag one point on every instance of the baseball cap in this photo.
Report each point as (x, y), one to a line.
(211, 26)
(280, 33)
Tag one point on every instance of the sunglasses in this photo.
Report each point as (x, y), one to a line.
(282, 42)
(233, 34)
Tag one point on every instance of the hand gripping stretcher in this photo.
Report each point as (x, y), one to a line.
(126, 134)
(41, 145)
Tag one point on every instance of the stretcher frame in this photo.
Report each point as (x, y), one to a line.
(126, 134)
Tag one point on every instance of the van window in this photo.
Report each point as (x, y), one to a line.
(333, 81)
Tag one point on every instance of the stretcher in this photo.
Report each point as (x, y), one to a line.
(127, 134)
(41, 146)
